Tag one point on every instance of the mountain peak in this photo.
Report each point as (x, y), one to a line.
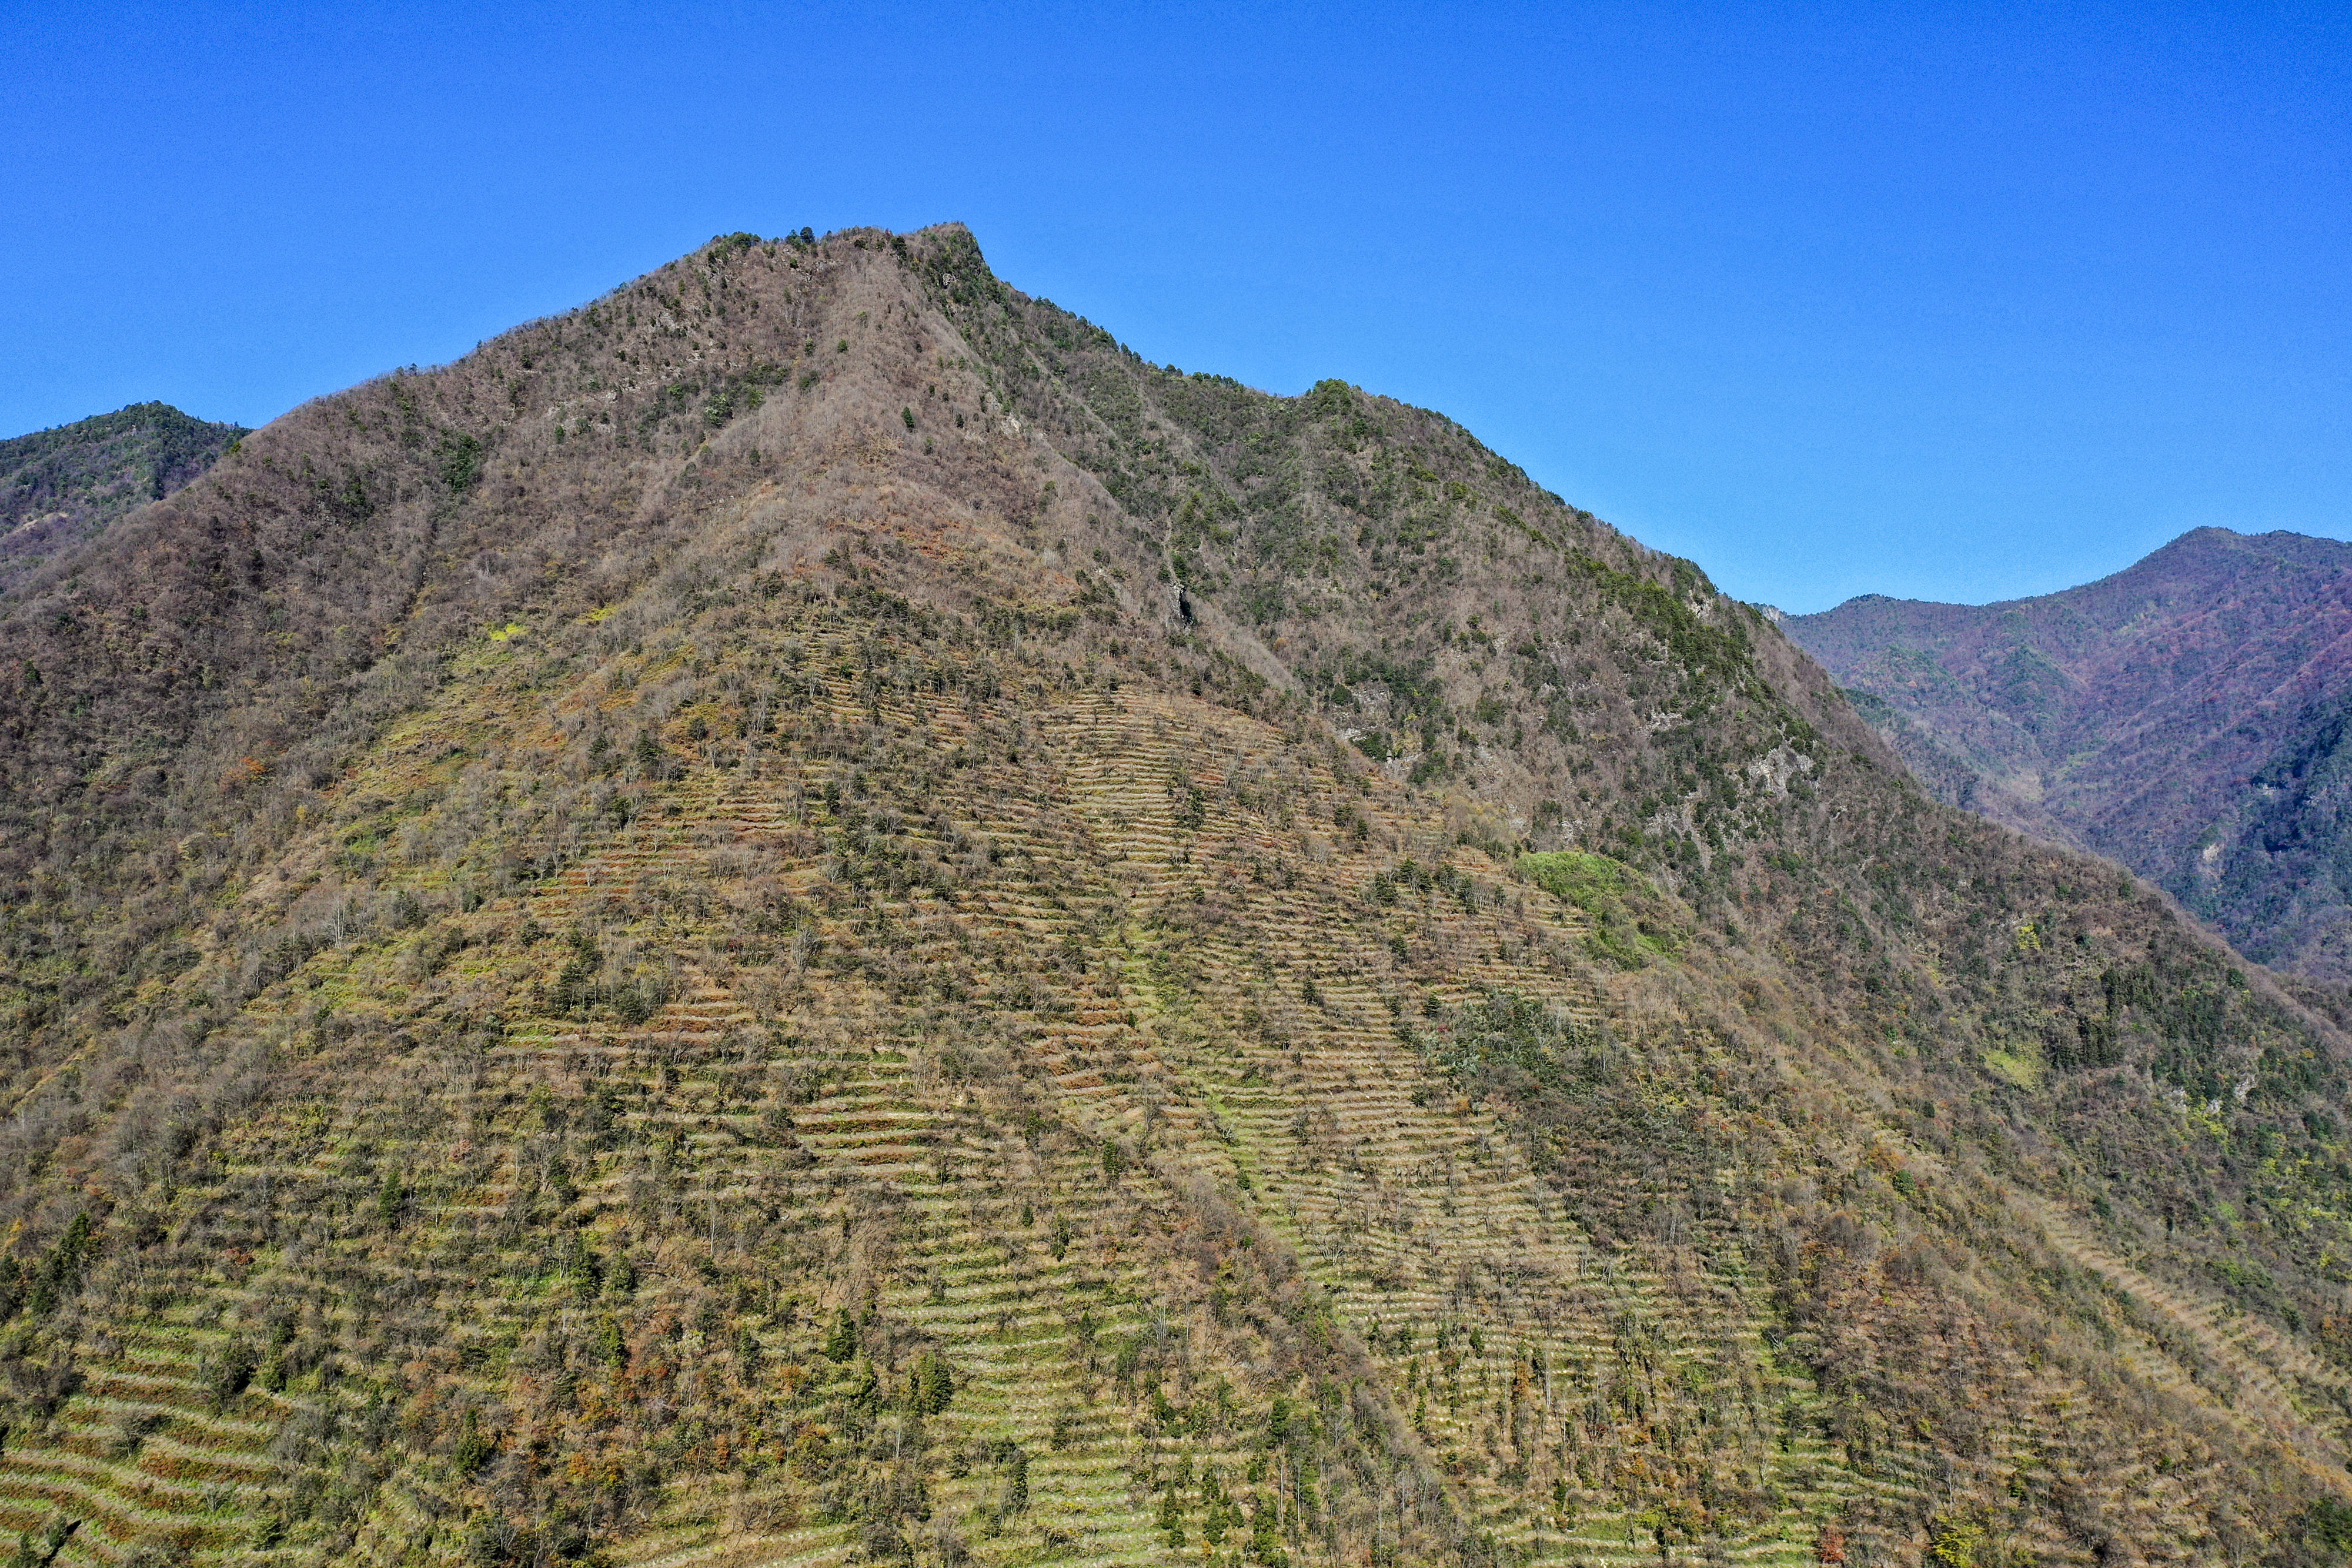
(64, 485)
(2224, 549)
(810, 915)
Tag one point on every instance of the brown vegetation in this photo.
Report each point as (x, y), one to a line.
(809, 916)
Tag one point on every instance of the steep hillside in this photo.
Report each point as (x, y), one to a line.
(809, 916)
(57, 487)
(2186, 716)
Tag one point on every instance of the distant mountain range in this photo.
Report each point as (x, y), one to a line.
(60, 487)
(2187, 716)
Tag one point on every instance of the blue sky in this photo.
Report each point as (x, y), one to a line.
(1956, 302)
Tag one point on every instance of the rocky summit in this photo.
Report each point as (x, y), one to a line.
(810, 915)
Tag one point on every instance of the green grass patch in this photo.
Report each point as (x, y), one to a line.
(1587, 880)
(1615, 896)
(2021, 1066)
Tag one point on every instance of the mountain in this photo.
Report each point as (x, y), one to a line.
(60, 486)
(2186, 716)
(812, 915)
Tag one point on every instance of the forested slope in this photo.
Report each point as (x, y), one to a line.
(2186, 716)
(60, 487)
(809, 916)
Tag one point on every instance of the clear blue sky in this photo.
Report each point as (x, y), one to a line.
(1956, 302)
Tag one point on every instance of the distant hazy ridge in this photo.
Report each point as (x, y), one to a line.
(2186, 717)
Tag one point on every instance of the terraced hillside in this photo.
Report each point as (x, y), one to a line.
(810, 917)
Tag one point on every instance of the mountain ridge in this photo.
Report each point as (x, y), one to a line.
(2159, 715)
